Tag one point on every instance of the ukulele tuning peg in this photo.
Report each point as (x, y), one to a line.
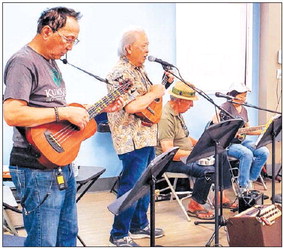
(128, 83)
(119, 79)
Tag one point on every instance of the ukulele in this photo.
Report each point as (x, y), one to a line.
(59, 142)
(241, 134)
(152, 114)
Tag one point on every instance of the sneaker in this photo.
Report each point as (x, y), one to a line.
(145, 233)
(124, 242)
(250, 185)
(243, 191)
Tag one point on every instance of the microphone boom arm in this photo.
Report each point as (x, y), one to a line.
(203, 94)
(256, 107)
(95, 76)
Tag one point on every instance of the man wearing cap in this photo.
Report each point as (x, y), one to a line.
(251, 159)
(173, 132)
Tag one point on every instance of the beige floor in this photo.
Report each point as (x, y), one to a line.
(95, 222)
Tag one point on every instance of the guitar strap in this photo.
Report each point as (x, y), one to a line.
(21, 130)
(144, 78)
(145, 74)
(183, 124)
(34, 152)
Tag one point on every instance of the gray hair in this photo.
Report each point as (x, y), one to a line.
(128, 38)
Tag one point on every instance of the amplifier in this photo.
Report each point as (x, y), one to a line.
(249, 199)
(257, 226)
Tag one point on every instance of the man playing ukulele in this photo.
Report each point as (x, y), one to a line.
(35, 94)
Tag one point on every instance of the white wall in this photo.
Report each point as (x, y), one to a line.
(211, 43)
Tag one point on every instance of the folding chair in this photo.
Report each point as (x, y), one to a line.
(115, 185)
(87, 176)
(174, 193)
(9, 202)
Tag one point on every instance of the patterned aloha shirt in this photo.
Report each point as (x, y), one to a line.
(128, 132)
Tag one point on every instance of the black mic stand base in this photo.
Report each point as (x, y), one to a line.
(222, 223)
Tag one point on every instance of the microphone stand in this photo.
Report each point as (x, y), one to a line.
(166, 68)
(95, 76)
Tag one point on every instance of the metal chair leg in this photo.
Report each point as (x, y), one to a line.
(262, 182)
(176, 197)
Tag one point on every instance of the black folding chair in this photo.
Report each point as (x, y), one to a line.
(87, 176)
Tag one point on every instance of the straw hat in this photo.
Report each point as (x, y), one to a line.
(181, 91)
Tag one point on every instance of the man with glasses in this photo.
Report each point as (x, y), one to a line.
(69, 40)
(133, 138)
(35, 94)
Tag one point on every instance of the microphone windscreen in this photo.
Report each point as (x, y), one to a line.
(151, 58)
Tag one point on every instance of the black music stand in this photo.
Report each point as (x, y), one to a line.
(268, 137)
(214, 140)
(145, 183)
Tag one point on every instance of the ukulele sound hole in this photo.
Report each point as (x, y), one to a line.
(53, 142)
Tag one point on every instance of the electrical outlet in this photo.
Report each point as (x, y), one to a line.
(278, 73)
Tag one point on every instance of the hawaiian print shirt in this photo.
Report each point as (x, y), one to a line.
(128, 132)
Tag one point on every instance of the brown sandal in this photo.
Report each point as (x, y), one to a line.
(230, 205)
(198, 213)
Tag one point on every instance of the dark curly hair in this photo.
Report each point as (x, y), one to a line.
(56, 18)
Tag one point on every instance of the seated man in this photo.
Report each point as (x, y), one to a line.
(173, 132)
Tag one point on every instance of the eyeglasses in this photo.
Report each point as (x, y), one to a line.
(68, 40)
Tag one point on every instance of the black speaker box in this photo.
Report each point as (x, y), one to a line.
(250, 199)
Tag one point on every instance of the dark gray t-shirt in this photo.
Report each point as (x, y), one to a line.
(30, 77)
(229, 107)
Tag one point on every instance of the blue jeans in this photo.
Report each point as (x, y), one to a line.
(134, 218)
(50, 215)
(251, 160)
(204, 176)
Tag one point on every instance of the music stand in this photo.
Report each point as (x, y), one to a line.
(214, 140)
(267, 137)
(141, 188)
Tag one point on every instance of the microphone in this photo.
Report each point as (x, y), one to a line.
(164, 63)
(222, 95)
(64, 61)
